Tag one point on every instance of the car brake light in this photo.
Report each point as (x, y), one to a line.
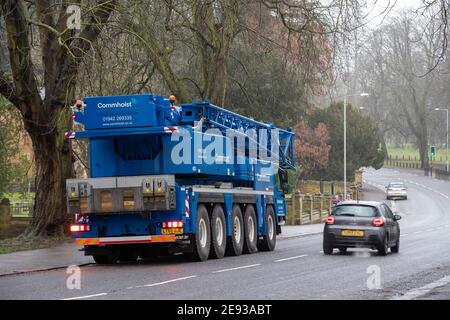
(172, 224)
(329, 220)
(79, 228)
(378, 222)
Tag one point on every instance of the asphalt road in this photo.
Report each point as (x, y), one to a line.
(297, 269)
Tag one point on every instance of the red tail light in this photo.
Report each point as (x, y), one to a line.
(79, 228)
(329, 220)
(172, 224)
(378, 222)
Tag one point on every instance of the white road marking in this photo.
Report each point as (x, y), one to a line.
(291, 258)
(394, 206)
(404, 235)
(86, 297)
(163, 282)
(237, 268)
(418, 292)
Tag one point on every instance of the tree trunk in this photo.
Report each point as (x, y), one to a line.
(53, 160)
(423, 152)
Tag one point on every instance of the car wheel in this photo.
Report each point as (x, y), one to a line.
(250, 230)
(406, 198)
(235, 243)
(383, 248)
(396, 248)
(218, 233)
(327, 248)
(388, 198)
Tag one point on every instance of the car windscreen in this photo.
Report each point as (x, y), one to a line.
(396, 185)
(355, 211)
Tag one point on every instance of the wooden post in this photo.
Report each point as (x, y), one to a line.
(311, 208)
(300, 209)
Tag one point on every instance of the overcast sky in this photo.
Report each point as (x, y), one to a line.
(377, 7)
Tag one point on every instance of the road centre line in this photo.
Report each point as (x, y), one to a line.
(291, 258)
(237, 268)
(86, 297)
(163, 282)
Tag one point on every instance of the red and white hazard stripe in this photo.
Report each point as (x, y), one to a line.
(126, 240)
(69, 135)
(186, 201)
(170, 129)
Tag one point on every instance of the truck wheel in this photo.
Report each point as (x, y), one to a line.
(250, 230)
(105, 259)
(269, 241)
(202, 238)
(218, 233)
(235, 243)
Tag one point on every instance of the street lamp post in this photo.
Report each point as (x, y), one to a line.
(363, 94)
(446, 143)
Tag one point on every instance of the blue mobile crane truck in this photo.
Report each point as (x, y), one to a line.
(165, 178)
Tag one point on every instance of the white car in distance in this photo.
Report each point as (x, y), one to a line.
(396, 190)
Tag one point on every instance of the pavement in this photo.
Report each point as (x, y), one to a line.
(66, 255)
(42, 259)
(297, 269)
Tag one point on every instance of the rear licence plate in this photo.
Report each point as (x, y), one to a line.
(172, 230)
(354, 233)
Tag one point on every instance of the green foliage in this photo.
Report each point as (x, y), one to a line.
(268, 89)
(363, 144)
(12, 165)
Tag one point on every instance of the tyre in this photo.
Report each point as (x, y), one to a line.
(343, 250)
(250, 230)
(269, 240)
(396, 248)
(218, 233)
(327, 248)
(383, 247)
(105, 259)
(235, 243)
(405, 198)
(202, 239)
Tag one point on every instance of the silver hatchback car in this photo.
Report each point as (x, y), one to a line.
(355, 224)
(396, 190)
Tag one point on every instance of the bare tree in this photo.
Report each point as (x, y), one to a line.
(41, 89)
